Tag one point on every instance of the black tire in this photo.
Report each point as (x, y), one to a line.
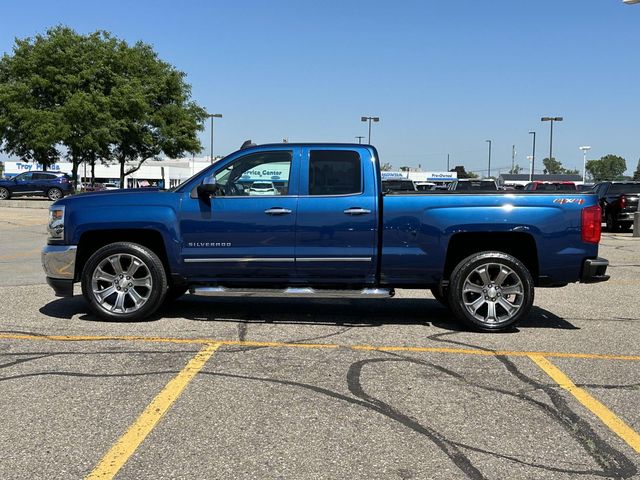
(612, 225)
(54, 194)
(5, 194)
(149, 271)
(441, 294)
(518, 282)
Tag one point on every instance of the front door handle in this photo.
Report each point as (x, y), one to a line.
(356, 211)
(277, 211)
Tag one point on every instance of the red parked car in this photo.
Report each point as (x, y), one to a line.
(551, 186)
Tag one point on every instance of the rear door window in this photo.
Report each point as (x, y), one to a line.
(334, 172)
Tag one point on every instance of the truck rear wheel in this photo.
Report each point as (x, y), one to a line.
(124, 282)
(491, 291)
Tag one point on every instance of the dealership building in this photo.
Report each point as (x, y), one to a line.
(439, 178)
(164, 173)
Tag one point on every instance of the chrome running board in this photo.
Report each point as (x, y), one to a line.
(299, 292)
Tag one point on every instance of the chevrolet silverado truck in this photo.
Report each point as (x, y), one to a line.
(328, 230)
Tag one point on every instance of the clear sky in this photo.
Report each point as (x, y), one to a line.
(444, 76)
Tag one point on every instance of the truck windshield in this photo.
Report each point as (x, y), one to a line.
(479, 185)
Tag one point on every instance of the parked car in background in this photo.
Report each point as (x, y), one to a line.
(398, 186)
(425, 186)
(53, 185)
(585, 187)
(551, 186)
(618, 201)
(473, 185)
(263, 188)
(110, 186)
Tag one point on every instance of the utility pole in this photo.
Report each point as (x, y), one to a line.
(513, 158)
(489, 170)
(447, 162)
(533, 154)
(359, 137)
(212, 116)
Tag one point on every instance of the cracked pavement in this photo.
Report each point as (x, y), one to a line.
(259, 411)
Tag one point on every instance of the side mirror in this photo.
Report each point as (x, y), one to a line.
(209, 187)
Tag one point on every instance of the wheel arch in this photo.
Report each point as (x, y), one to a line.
(517, 244)
(93, 240)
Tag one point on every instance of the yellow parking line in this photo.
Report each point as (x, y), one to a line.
(610, 419)
(120, 452)
(380, 348)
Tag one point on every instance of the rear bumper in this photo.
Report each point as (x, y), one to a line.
(625, 216)
(594, 270)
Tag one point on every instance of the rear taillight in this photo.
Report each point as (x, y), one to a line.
(623, 201)
(591, 224)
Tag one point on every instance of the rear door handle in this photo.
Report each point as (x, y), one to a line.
(356, 211)
(277, 211)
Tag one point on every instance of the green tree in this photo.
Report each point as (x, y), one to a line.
(636, 174)
(151, 105)
(516, 169)
(386, 167)
(94, 98)
(462, 173)
(609, 167)
(552, 166)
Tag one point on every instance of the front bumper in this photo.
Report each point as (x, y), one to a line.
(59, 264)
(594, 270)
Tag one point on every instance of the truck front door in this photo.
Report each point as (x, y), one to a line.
(247, 231)
(336, 229)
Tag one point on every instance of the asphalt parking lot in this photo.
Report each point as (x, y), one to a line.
(272, 388)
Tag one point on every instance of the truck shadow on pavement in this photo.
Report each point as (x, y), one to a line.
(351, 313)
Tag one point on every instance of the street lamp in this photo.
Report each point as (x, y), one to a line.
(359, 137)
(533, 154)
(212, 116)
(551, 119)
(370, 119)
(585, 149)
(530, 158)
(489, 171)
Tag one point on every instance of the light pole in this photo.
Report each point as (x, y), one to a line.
(212, 116)
(359, 137)
(585, 149)
(530, 158)
(447, 162)
(370, 119)
(489, 171)
(533, 153)
(551, 119)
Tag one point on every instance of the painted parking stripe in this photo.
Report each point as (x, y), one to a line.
(380, 348)
(610, 419)
(126, 445)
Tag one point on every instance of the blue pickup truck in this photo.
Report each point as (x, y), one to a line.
(325, 229)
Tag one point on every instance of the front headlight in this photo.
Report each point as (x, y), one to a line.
(56, 223)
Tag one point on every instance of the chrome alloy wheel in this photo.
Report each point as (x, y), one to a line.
(493, 293)
(121, 283)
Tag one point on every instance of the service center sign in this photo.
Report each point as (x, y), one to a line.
(268, 171)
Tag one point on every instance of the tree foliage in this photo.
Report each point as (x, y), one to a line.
(94, 98)
(386, 167)
(462, 173)
(636, 174)
(609, 167)
(554, 167)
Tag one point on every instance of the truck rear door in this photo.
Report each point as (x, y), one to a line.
(336, 226)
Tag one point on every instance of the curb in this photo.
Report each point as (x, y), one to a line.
(41, 204)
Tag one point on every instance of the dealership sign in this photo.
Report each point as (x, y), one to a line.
(267, 171)
(15, 168)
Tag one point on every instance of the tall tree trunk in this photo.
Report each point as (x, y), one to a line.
(121, 172)
(93, 172)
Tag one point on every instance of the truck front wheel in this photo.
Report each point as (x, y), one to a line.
(124, 282)
(491, 291)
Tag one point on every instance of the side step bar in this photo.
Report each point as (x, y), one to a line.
(299, 292)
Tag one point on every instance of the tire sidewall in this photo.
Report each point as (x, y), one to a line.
(466, 266)
(153, 264)
(8, 193)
